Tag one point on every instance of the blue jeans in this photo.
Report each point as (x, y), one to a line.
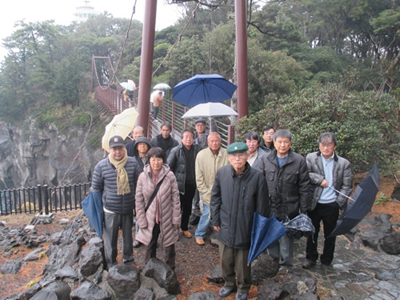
(204, 222)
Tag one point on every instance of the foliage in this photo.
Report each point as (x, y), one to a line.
(381, 199)
(363, 122)
(313, 65)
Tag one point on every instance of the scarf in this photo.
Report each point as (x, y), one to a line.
(122, 177)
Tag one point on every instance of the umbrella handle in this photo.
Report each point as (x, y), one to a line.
(351, 199)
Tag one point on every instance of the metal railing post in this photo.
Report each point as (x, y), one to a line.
(40, 198)
(46, 200)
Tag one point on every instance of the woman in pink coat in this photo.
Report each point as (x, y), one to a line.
(163, 216)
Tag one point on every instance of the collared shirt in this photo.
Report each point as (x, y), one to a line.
(328, 195)
(251, 159)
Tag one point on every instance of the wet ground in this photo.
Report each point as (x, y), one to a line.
(355, 273)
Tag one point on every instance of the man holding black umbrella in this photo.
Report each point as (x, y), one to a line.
(328, 172)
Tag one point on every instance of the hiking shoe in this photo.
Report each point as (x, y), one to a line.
(187, 234)
(226, 291)
(308, 264)
(200, 241)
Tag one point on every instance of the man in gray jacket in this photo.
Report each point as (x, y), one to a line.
(238, 191)
(115, 177)
(332, 178)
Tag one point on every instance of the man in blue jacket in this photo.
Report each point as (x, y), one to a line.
(239, 190)
(115, 177)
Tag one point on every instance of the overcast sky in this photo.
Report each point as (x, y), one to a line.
(62, 12)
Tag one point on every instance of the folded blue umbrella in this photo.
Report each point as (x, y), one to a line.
(264, 233)
(93, 208)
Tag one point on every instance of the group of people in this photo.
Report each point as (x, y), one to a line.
(158, 180)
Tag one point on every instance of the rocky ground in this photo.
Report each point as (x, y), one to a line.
(357, 272)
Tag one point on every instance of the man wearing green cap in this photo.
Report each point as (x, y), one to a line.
(238, 192)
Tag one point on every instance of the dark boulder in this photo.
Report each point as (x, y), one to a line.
(203, 296)
(396, 192)
(11, 267)
(163, 275)
(57, 290)
(124, 280)
(216, 275)
(90, 291)
(91, 259)
(144, 294)
(391, 243)
(264, 267)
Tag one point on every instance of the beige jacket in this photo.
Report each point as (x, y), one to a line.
(167, 199)
(207, 165)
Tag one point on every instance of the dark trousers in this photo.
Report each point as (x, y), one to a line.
(186, 205)
(155, 111)
(112, 224)
(328, 214)
(151, 249)
(235, 259)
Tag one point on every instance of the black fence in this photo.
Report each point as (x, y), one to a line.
(42, 199)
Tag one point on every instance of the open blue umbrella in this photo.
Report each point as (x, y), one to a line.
(203, 88)
(93, 208)
(264, 233)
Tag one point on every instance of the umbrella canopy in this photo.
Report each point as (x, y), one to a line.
(161, 86)
(361, 203)
(299, 226)
(265, 232)
(203, 88)
(209, 109)
(93, 207)
(121, 125)
(130, 85)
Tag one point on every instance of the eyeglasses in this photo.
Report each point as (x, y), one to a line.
(239, 155)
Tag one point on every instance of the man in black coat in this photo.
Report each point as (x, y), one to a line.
(182, 160)
(164, 140)
(289, 188)
(239, 190)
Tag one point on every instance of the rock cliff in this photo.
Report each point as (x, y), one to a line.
(30, 155)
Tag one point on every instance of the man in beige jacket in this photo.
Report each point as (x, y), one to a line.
(208, 161)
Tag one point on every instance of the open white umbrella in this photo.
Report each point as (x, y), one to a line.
(161, 86)
(209, 109)
(130, 85)
(121, 125)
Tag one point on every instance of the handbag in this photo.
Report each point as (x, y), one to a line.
(153, 195)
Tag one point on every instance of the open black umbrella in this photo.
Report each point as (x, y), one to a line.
(93, 208)
(265, 232)
(361, 203)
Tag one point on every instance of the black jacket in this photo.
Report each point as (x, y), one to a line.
(105, 181)
(289, 186)
(234, 199)
(165, 144)
(177, 162)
